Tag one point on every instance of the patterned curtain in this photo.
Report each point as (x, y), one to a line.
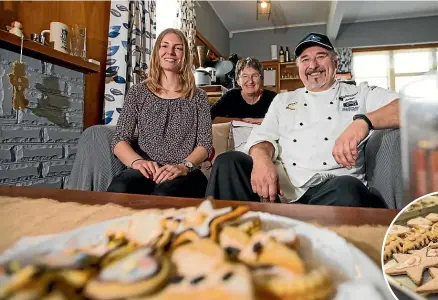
(186, 20)
(345, 57)
(130, 41)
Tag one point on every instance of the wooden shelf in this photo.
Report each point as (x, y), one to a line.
(290, 79)
(12, 42)
(288, 63)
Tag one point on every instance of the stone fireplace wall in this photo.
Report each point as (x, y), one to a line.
(38, 145)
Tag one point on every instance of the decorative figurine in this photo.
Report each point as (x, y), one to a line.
(15, 28)
(19, 83)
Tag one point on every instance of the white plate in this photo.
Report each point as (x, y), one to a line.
(357, 276)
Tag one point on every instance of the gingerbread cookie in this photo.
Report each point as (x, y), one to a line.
(19, 83)
(233, 240)
(17, 281)
(393, 244)
(202, 223)
(231, 282)
(412, 264)
(432, 217)
(415, 239)
(419, 221)
(432, 285)
(248, 225)
(139, 273)
(398, 230)
(278, 283)
(264, 250)
(199, 257)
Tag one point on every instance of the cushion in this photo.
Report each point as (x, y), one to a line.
(221, 133)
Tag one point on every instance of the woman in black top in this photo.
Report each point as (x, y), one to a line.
(249, 102)
(172, 118)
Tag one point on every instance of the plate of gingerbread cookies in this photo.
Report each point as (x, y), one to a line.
(191, 253)
(410, 253)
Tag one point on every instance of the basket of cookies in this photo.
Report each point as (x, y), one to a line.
(410, 253)
(191, 253)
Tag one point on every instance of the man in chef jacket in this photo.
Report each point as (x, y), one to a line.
(310, 147)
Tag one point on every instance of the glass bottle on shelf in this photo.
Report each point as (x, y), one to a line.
(287, 57)
(281, 54)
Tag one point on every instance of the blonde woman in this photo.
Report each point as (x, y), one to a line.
(172, 117)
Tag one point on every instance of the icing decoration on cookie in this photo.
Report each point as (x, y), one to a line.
(410, 262)
(286, 236)
(432, 252)
(137, 266)
(414, 271)
(204, 222)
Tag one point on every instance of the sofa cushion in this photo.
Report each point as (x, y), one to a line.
(221, 133)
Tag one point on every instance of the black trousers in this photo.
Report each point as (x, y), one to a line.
(131, 181)
(230, 179)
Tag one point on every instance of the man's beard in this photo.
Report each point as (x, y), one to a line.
(317, 85)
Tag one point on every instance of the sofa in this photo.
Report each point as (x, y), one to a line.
(95, 165)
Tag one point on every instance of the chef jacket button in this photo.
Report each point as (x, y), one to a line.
(325, 139)
(331, 102)
(301, 124)
(294, 164)
(307, 92)
(305, 104)
(295, 140)
(324, 163)
(329, 118)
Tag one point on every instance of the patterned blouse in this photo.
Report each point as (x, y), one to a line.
(168, 129)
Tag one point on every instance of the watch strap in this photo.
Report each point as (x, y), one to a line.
(365, 118)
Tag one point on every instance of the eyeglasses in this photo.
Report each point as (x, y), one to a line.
(254, 77)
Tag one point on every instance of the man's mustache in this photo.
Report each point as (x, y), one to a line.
(318, 69)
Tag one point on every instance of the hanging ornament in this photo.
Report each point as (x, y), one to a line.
(19, 82)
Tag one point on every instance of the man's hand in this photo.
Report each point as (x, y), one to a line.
(253, 120)
(169, 172)
(264, 180)
(146, 167)
(345, 149)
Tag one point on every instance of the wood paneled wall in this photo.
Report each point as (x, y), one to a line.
(94, 15)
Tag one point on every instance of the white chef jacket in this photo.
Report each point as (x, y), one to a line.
(303, 127)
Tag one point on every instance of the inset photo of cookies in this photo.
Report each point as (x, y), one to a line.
(410, 251)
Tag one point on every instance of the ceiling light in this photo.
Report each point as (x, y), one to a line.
(263, 8)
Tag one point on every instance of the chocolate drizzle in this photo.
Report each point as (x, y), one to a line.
(176, 279)
(197, 280)
(227, 276)
(257, 248)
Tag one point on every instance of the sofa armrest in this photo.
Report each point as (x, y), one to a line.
(384, 166)
(95, 165)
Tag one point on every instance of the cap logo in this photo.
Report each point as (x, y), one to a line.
(314, 38)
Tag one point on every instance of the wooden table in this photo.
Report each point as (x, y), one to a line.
(323, 215)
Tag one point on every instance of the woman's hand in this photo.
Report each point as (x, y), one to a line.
(146, 167)
(169, 172)
(253, 120)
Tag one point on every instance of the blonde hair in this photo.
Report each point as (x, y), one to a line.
(187, 80)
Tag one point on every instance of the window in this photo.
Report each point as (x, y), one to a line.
(393, 69)
(166, 14)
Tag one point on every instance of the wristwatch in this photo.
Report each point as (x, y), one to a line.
(365, 118)
(189, 165)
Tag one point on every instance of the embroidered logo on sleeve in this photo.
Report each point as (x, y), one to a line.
(291, 106)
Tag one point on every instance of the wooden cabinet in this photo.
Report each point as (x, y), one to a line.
(286, 76)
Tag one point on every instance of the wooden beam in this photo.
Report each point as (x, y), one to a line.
(336, 13)
(209, 45)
